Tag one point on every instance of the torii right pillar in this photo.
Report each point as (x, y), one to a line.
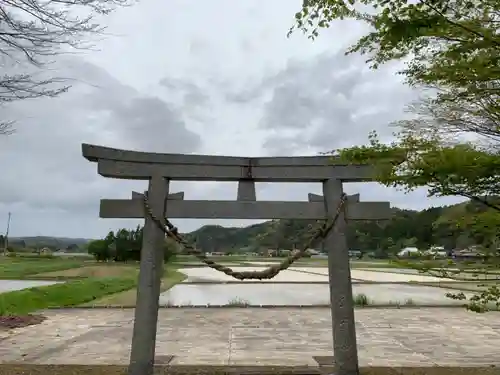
(345, 350)
(339, 275)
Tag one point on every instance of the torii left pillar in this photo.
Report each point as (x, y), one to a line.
(148, 288)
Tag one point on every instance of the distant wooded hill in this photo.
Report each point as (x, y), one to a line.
(54, 243)
(422, 229)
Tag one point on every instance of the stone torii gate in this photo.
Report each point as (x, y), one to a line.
(160, 169)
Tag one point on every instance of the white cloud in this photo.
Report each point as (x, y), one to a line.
(217, 77)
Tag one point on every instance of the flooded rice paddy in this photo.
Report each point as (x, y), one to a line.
(301, 286)
(297, 286)
(11, 285)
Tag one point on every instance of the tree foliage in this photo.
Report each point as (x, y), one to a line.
(125, 245)
(443, 37)
(422, 160)
(452, 47)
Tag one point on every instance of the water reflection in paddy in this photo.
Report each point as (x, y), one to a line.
(295, 294)
(11, 285)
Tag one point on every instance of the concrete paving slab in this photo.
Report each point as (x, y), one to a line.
(399, 337)
(298, 294)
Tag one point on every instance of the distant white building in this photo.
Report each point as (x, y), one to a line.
(313, 251)
(437, 251)
(408, 251)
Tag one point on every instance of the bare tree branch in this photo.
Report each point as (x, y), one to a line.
(6, 128)
(25, 86)
(33, 30)
(479, 116)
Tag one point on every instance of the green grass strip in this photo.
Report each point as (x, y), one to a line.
(71, 293)
(10, 269)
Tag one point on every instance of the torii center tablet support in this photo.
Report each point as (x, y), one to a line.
(160, 169)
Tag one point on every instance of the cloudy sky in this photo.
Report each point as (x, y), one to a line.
(213, 77)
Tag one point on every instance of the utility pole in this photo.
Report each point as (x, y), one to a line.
(6, 239)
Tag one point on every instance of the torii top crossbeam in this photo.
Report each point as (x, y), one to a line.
(124, 164)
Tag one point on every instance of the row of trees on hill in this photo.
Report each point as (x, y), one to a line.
(125, 245)
(437, 226)
(424, 229)
(34, 244)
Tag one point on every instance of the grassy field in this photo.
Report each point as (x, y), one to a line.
(84, 283)
(19, 268)
(71, 293)
(93, 270)
(128, 297)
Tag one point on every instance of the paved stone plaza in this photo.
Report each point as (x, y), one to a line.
(249, 336)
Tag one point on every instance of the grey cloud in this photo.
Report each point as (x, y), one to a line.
(284, 144)
(198, 47)
(314, 104)
(329, 102)
(286, 96)
(242, 96)
(196, 98)
(192, 100)
(298, 80)
(42, 167)
(154, 126)
(193, 96)
(250, 92)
